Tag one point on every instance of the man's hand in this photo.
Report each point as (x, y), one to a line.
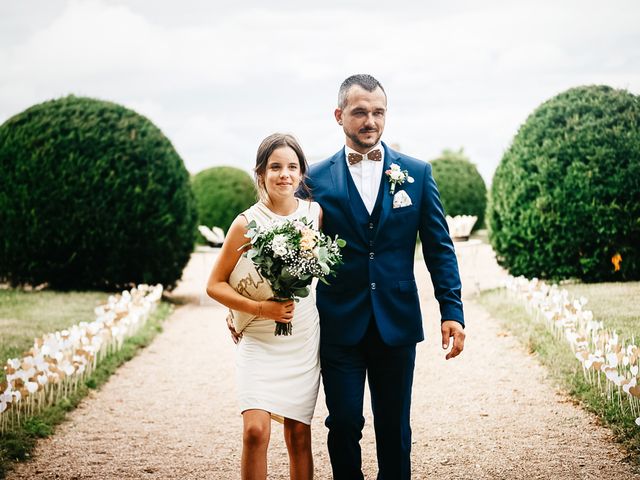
(235, 336)
(451, 328)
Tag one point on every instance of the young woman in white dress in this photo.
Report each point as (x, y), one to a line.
(278, 376)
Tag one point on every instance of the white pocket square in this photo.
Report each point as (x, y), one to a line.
(401, 199)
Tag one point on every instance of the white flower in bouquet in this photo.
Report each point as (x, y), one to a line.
(279, 245)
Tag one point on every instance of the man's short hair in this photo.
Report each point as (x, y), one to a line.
(363, 80)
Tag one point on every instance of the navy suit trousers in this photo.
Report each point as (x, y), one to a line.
(390, 373)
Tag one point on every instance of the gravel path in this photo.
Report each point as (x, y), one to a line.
(171, 412)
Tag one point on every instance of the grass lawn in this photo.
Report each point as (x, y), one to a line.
(619, 306)
(26, 315)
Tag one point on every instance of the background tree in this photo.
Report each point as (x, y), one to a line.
(565, 199)
(92, 195)
(462, 189)
(221, 194)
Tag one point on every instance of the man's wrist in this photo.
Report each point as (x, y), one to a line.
(451, 320)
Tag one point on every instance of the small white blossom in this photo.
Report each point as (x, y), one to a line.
(279, 245)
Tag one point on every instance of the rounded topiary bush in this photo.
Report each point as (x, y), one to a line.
(565, 199)
(221, 194)
(92, 195)
(462, 189)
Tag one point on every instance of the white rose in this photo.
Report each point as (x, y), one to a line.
(279, 245)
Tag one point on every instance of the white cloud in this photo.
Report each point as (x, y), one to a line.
(218, 78)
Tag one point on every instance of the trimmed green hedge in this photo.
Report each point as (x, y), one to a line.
(92, 195)
(565, 199)
(221, 194)
(462, 189)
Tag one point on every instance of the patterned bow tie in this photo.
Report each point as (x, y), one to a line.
(375, 155)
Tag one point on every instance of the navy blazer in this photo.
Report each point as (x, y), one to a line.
(376, 279)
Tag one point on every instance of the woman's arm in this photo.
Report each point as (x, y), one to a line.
(218, 286)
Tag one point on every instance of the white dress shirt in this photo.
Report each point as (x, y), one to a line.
(366, 174)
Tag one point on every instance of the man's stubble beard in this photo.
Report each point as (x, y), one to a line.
(354, 138)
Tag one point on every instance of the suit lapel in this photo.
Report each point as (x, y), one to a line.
(339, 178)
(387, 199)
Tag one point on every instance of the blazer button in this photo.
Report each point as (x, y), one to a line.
(371, 226)
(373, 286)
(371, 255)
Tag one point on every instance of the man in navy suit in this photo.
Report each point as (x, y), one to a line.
(378, 200)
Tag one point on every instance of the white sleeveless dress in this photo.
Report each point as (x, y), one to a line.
(281, 374)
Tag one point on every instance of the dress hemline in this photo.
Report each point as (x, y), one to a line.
(275, 413)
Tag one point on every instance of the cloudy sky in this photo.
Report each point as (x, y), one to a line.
(218, 78)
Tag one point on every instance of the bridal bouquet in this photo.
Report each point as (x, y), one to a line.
(289, 255)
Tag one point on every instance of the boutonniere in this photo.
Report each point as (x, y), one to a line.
(397, 177)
